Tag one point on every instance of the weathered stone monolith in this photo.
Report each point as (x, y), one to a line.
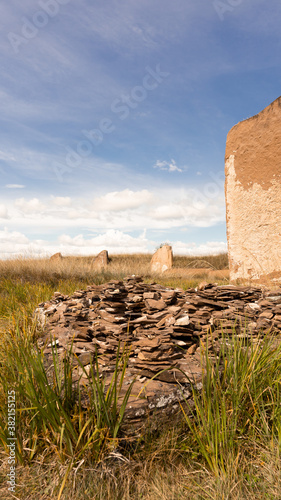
(162, 259)
(253, 195)
(57, 257)
(101, 261)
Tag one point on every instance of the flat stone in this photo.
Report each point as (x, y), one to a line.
(150, 295)
(266, 314)
(162, 260)
(155, 304)
(84, 358)
(183, 321)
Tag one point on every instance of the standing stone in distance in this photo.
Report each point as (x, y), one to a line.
(101, 261)
(56, 257)
(253, 195)
(162, 259)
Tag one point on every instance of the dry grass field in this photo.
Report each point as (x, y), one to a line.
(26, 282)
(120, 265)
(229, 450)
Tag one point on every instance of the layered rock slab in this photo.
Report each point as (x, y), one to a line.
(162, 260)
(57, 257)
(101, 261)
(253, 195)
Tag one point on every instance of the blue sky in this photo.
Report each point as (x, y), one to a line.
(114, 117)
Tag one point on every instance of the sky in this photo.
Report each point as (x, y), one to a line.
(114, 117)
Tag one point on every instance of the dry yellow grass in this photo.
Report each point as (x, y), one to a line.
(163, 474)
(81, 267)
(71, 267)
(185, 272)
(158, 469)
(25, 282)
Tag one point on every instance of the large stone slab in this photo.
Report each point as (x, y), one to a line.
(253, 195)
(162, 260)
(57, 257)
(101, 261)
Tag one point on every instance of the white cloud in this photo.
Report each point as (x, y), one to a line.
(82, 213)
(14, 186)
(12, 243)
(189, 208)
(123, 210)
(61, 201)
(123, 200)
(15, 243)
(76, 241)
(30, 206)
(209, 248)
(3, 212)
(169, 211)
(169, 166)
(112, 240)
(12, 237)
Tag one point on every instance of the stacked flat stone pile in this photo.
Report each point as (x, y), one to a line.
(162, 329)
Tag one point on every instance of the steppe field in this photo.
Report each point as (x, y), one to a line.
(229, 448)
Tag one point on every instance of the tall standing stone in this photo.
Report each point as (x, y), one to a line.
(101, 261)
(57, 257)
(162, 259)
(253, 195)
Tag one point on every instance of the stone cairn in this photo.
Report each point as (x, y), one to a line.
(162, 329)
